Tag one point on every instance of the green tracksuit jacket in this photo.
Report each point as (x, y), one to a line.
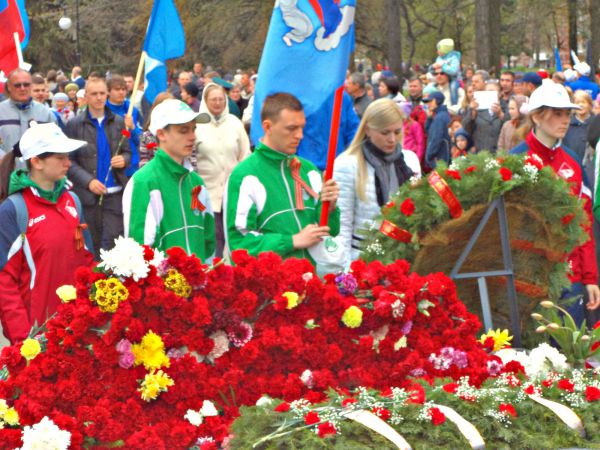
(260, 211)
(157, 208)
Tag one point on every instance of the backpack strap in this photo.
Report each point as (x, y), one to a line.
(21, 209)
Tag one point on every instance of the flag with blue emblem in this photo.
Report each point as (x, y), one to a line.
(165, 39)
(306, 54)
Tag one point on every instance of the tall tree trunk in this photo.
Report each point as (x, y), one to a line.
(594, 8)
(487, 33)
(572, 12)
(394, 37)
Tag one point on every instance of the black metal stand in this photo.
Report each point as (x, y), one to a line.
(507, 271)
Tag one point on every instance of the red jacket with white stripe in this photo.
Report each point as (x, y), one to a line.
(35, 264)
(582, 260)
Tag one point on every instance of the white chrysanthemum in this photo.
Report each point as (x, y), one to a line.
(125, 259)
(264, 401)
(545, 358)
(159, 258)
(208, 409)
(45, 435)
(193, 417)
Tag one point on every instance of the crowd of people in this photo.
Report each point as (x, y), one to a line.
(87, 160)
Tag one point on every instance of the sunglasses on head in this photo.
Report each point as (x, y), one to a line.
(21, 85)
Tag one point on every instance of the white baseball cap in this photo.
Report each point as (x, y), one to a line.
(552, 95)
(173, 112)
(583, 68)
(46, 138)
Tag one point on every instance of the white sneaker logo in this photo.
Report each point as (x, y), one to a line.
(32, 222)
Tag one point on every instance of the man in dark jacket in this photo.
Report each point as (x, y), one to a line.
(98, 169)
(436, 127)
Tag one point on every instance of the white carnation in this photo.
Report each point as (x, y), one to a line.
(45, 435)
(307, 379)
(208, 409)
(125, 259)
(193, 417)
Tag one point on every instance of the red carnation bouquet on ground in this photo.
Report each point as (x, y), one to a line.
(159, 351)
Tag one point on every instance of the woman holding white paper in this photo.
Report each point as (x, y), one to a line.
(484, 122)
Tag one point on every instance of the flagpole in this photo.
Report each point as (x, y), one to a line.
(136, 83)
(22, 64)
(333, 140)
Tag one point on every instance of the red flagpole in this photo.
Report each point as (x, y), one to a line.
(333, 140)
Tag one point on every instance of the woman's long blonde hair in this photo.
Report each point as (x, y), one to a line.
(379, 114)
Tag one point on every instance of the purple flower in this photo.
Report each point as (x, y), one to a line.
(126, 360)
(418, 372)
(123, 346)
(460, 359)
(406, 328)
(175, 353)
(346, 283)
(494, 367)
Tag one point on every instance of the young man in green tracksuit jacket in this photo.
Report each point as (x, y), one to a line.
(273, 198)
(165, 204)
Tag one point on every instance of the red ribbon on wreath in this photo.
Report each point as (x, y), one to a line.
(440, 186)
(395, 232)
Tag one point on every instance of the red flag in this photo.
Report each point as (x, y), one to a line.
(10, 22)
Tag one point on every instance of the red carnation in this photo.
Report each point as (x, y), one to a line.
(505, 173)
(407, 207)
(597, 325)
(311, 418)
(470, 169)
(566, 385)
(507, 409)
(453, 174)
(514, 367)
(326, 429)
(592, 394)
(282, 407)
(567, 219)
(437, 417)
(348, 401)
(451, 388)
(382, 413)
(126, 133)
(151, 145)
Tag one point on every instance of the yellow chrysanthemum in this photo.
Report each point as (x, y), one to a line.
(11, 417)
(66, 293)
(352, 317)
(177, 283)
(154, 383)
(109, 293)
(293, 299)
(3, 407)
(150, 352)
(501, 338)
(30, 348)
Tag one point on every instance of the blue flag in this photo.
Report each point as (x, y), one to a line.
(25, 21)
(165, 39)
(306, 54)
(557, 61)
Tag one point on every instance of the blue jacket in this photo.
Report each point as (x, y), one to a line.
(134, 140)
(438, 139)
(585, 84)
(316, 132)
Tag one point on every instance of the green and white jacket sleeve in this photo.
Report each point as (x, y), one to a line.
(244, 200)
(142, 212)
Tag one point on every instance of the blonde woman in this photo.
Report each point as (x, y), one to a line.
(576, 137)
(370, 170)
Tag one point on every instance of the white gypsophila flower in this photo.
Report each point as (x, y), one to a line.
(307, 379)
(375, 247)
(125, 259)
(491, 164)
(414, 180)
(45, 435)
(208, 409)
(453, 166)
(194, 417)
